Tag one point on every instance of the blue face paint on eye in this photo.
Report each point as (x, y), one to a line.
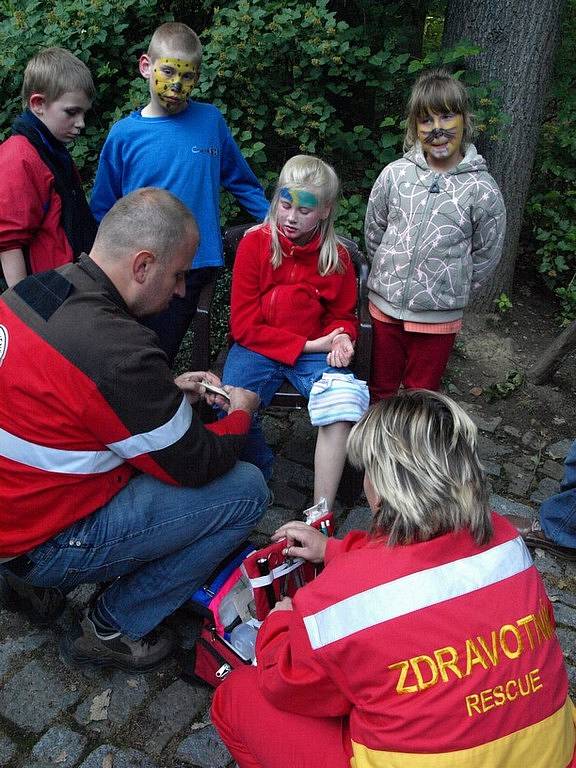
(299, 197)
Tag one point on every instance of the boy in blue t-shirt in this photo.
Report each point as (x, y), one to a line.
(185, 147)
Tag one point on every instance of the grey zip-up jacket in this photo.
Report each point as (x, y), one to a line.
(432, 236)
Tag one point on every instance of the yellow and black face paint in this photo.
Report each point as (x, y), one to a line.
(173, 81)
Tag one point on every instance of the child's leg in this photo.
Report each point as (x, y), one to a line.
(428, 355)
(260, 736)
(260, 374)
(329, 460)
(388, 359)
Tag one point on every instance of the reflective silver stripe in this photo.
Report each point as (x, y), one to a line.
(54, 459)
(157, 439)
(415, 591)
(95, 462)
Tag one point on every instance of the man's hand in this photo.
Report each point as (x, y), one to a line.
(191, 384)
(323, 343)
(283, 605)
(302, 540)
(342, 351)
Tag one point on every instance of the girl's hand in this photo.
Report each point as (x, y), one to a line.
(302, 541)
(323, 343)
(283, 605)
(342, 351)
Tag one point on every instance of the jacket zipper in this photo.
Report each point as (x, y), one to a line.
(431, 190)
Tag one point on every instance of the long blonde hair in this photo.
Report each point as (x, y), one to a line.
(313, 175)
(418, 450)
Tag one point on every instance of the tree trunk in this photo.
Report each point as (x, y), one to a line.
(546, 367)
(518, 39)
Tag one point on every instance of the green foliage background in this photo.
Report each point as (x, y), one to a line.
(327, 77)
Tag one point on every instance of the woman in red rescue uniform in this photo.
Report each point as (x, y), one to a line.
(427, 643)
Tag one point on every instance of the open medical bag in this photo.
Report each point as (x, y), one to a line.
(240, 594)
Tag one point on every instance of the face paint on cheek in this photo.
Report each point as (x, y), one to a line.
(173, 80)
(299, 197)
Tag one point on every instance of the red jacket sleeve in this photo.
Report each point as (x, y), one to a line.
(290, 674)
(342, 311)
(25, 185)
(247, 322)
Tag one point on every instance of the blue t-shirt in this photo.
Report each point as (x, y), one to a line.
(191, 154)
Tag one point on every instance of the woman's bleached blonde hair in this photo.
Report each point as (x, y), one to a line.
(304, 172)
(418, 450)
(437, 91)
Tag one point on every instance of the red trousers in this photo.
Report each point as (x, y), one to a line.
(417, 360)
(260, 736)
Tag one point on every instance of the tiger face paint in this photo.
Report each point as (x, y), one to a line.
(441, 138)
(172, 81)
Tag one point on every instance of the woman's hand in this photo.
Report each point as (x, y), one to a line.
(302, 541)
(342, 351)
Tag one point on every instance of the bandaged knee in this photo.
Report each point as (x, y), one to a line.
(337, 397)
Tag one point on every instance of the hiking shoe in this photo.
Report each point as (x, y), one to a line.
(116, 650)
(42, 605)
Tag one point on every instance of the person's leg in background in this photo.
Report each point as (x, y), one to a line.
(558, 513)
(260, 736)
(388, 359)
(250, 370)
(427, 357)
(172, 324)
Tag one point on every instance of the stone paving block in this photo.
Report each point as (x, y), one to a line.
(60, 747)
(567, 638)
(532, 439)
(565, 615)
(119, 758)
(358, 519)
(7, 749)
(491, 468)
(490, 449)
(560, 449)
(546, 487)
(34, 697)
(173, 709)
(485, 423)
(546, 563)
(562, 595)
(288, 497)
(274, 518)
(508, 507)
(301, 450)
(519, 481)
(14, 647)
(512, 431)
(127, 692)
(290, 472)
(552, 469)
(204, 748)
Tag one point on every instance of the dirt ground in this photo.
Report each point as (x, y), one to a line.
(498, 345)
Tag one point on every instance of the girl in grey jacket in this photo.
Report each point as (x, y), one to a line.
(434, 230)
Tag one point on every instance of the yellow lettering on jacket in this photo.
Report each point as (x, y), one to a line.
(510, 641)
(508, 692)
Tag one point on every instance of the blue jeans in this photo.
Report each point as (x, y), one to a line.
(558, 513)
(157, 542)
(260, 374)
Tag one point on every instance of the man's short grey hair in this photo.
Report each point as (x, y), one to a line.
(146, 219)
(419, 452)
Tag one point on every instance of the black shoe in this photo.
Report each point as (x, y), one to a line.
(533, 535)
(42, 605)
(116, 650)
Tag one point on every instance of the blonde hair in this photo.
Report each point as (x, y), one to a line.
(437, 91)
(418, 450)
(53, 72)
(305, 172)
(175, 37)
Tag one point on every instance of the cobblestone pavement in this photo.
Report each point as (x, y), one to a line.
(58, 717)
